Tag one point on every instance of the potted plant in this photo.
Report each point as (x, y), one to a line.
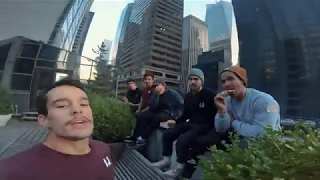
(269, 157)
(5, 106)
(112, 121)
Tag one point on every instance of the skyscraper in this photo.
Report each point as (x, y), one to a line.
(219, 17)
(53, 22)
(222, 28)
(153, 41)
(120, 34)
(82, 33)
(107, 44)
(194, 42)
(280, 48)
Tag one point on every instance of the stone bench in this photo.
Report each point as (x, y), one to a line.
(133, 166)
(153, 151)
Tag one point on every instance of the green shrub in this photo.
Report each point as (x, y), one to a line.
(112, 118)
(5, 101)
(269, 157)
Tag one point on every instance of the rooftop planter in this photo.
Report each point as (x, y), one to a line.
(6, 107)
(112, 121)
(269, 157)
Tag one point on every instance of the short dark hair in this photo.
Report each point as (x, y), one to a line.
(159, 81)
(130, 80)
(42, 98)
(148, 73)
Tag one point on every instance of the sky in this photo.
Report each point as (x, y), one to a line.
(107, 13)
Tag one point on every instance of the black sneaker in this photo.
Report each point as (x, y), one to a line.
(130, 139)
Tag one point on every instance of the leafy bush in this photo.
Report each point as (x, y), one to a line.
(267, 157)
(112, 118)
(5, 101)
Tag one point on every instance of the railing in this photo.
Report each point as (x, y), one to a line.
(296, 118)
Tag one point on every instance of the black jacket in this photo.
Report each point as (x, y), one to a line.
(170, 102)
(134, 96)
(199, 107)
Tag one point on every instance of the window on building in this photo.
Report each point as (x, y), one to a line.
(47, 64)
(24, 65)
(21, 82)
(30, 50)
(171, 76)
(4, 50)
(49, 52)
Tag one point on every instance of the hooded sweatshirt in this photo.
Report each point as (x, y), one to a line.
(251, 115)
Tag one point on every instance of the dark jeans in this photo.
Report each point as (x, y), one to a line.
(199, 146)
(147, 122)
(134, 109)
(185, 134)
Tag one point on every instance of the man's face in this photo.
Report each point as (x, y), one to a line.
(148, 80)
(132, 86)
(69, 113)
(160, 88)
(231, 82)
(195, 83)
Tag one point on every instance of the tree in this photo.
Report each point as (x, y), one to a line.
(104, 81)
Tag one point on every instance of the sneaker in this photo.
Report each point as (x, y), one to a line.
(161, 164)
(173, 173)
(129, 139)
(140, 142)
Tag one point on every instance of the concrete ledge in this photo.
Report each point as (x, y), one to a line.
(289, 123)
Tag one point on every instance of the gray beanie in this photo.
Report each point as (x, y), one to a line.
(197, 72)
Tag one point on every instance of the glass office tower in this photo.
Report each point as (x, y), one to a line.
(280, 48)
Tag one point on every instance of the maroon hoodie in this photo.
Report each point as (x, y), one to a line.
(43, 163)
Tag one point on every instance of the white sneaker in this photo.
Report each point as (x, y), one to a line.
(161, 164)
(173, 173)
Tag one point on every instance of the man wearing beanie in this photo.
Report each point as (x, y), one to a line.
(199, 109)
(244, 110)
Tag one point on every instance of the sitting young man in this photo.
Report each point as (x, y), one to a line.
(133, 95)
(245, 111)
(148, 79)
(165, 104)
(199, 109)
(68, 152)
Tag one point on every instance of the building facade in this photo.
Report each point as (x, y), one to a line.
(106, 46)
(222, 28)
(212, 64)
(53, 22)
(120, 34)
(82, 33)
(194, 42)
(27, 66)
(153, 42)
(280, 48)
(219, 18)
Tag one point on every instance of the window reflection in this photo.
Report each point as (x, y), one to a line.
(21, 82)
(24, 65)
(30, 50)
(4, 50)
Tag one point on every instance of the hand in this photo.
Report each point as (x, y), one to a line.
(171, 123)
(138, 111)
(157, 90)
(220, 101)
(125, 99)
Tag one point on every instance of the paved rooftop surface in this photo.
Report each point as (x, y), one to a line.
(19, 135)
